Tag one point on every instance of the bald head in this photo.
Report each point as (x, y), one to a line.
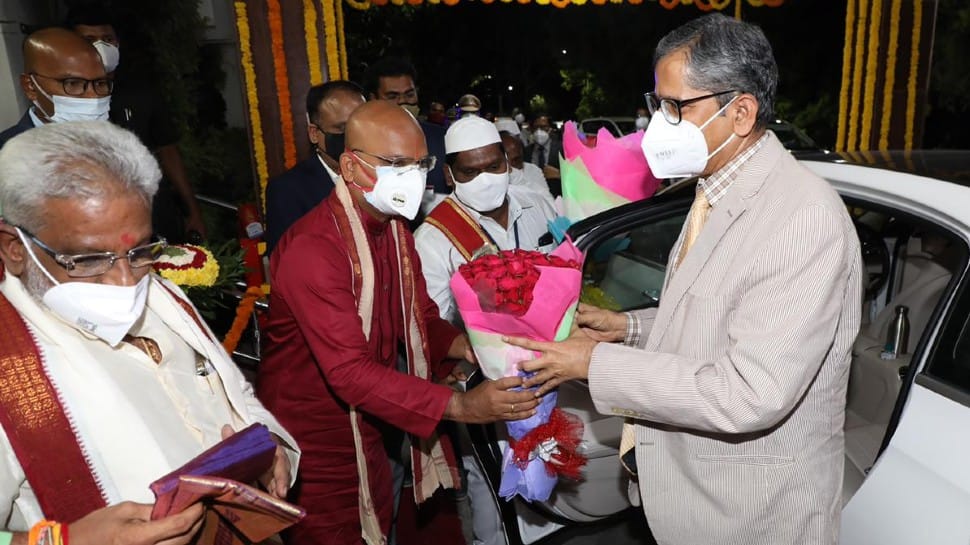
(52, 55)
(382, 123)
(52, 49)
(376, 131)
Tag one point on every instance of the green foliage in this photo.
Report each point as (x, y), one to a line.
(213, 299)
(538, 103)
(592, 99)
(951, 65)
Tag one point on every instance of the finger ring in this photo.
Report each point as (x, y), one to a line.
(513, 408)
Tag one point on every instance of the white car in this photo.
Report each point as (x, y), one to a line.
(907, 462)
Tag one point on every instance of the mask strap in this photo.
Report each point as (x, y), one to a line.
(719, 148)
(360, 162)
(41, 91)
(719, 112)
(33, 256)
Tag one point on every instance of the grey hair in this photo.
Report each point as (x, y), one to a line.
(71, 160)
(722, 54)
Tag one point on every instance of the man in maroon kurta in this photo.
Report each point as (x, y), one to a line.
(318, 362)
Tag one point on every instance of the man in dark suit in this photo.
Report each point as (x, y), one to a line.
(295, 192)
(63, 79)
(393, 79)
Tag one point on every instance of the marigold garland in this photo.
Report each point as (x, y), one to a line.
(857, 65)
(890, 80)
(846, 74)
(244, 311)
(703, 5)
(252, 99)
(330, 35)
(312, 43)
(275, 18)
(913, 73)
(341, 40)
(868, 101)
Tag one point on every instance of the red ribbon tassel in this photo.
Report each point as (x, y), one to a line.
(567, 431)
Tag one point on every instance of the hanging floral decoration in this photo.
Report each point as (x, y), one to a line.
(247, 305)
(703, 5)
(330, 9)
(275, 19)
(252, 98)
(312, 43)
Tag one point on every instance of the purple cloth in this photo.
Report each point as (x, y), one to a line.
(534, 482)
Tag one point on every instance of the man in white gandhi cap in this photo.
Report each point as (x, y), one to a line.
(485, 209)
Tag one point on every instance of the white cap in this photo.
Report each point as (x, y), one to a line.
(508, 125)
(470, 133)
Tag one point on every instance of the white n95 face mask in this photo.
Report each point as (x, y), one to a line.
(103, 310)
(110, 55)
(678, 151)
(484, 192)
(398, 192)
(541, 136)
(75, 108)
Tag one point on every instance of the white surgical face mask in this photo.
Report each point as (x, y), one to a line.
(516, 176)
(642, 123)
(519, 118)
(541, 136)
(110, 55)
(75, 108)
(678, 151)
(484, 192)
(103, 310)
(397, 192)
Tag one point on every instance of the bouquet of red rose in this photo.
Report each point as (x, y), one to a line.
(525, 294)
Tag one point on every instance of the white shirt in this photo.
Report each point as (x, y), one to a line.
(532, 177)
(135, 420)
(33, 117)
(529, 214)
(330, 171)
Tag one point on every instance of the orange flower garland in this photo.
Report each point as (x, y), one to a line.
(243, 313)
(703, 5)
(275, 19)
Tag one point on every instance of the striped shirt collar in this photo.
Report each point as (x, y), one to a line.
(716, 185)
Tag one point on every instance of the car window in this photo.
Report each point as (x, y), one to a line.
(626, 271)
(950, 359)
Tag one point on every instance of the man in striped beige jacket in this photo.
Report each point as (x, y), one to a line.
(735, 386)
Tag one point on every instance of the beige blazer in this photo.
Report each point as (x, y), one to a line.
(739, 389)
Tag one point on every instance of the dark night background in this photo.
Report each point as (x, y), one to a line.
(607, 64)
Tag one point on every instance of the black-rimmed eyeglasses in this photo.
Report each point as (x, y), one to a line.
(670, 107)
(98, 263)
(76, 87)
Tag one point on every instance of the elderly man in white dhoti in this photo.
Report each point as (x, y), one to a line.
(108, 377)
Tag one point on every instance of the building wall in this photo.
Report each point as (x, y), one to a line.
(14, 13)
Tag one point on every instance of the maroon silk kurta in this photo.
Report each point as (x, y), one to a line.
(316, 362)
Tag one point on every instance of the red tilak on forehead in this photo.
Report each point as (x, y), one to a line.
(127, 239)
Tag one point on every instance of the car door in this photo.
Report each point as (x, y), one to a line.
(918, 490)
